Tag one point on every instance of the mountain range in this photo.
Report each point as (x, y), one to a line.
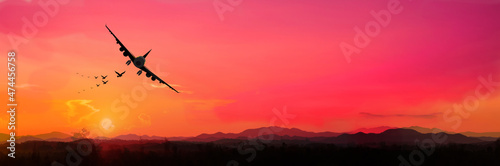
(252, 133)
(359, 136)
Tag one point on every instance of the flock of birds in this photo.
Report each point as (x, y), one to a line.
(103, 80)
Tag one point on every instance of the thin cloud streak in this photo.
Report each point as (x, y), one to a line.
(424, 116)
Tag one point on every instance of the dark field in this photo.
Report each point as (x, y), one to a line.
(244, 152)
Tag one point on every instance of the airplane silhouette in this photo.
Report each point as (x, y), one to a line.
(104, 82)
(138, 62)
(97, 85)
(104, 77)
(120, 75)
(95, 77)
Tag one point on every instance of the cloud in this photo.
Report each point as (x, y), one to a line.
(173, 85)
(145, 119)
(79, 110)
(186, 92)
(158, 86)
(163, 85)
(26, 86)
(424, 116)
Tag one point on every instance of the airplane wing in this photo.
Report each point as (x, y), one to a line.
(158, 78)
(125, 50)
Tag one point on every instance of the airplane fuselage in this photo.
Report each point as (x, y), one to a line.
(139, 62)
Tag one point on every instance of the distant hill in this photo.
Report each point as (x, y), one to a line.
(4, 137)
(362, 135)
(68, 139)
(27, 138)
(391, 136)
(488, 135)
(177, 138)
(372, 130)
(53, 135)
(396, 136)
(252, 133)
(102, 138)
(130, 137)
(426, 130)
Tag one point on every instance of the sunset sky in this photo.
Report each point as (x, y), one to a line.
(263, 56)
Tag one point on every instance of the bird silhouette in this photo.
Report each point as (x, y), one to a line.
(95, 77)
(104, 82)
(104, 77)
(120, 74)
(97, 85)
(91, 87)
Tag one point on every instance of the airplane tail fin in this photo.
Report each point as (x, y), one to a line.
(147, 53)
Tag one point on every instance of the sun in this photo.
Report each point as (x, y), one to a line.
(107, 124)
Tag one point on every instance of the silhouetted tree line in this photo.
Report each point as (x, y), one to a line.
(280, 152)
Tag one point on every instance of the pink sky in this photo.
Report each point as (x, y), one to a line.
(263, 55)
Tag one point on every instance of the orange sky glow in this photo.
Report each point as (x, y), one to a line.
(264, 56)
